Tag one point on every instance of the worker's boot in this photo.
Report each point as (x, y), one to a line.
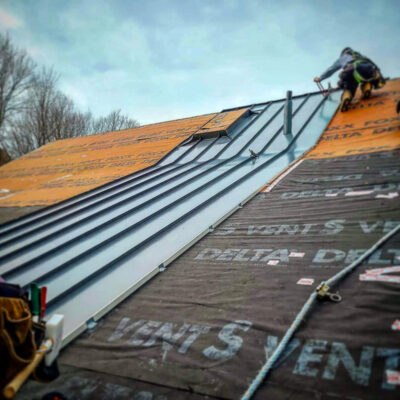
(381, 83)
(346, 100)
(366, 90)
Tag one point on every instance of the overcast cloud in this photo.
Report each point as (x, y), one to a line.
(164, 59)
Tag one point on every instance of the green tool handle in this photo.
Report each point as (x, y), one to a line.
(35, 299)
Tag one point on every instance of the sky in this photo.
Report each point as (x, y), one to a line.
(159, 60)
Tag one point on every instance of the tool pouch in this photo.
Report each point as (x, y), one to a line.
(17, 344)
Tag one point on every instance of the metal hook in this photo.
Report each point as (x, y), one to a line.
(335, 297)
(324, 294)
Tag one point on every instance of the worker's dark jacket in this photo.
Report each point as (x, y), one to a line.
(364, 68)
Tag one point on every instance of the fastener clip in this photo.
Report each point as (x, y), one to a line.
(324, 294)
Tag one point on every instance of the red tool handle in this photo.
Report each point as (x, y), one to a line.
(43, 302)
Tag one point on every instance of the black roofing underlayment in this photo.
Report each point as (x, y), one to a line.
(204, 327)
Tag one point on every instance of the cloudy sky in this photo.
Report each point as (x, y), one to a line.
(158, 60)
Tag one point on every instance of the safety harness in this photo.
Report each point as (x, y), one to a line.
(359, 59)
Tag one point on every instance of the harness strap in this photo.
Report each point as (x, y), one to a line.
(358, 77)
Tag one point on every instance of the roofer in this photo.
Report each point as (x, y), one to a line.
(356, 69)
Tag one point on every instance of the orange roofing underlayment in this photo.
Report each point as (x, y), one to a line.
(357, 132)
(65, 168)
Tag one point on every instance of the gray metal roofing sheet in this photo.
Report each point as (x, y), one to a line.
(95, 249)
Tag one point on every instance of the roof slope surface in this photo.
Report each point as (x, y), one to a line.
(372, 125)
(206, 325)
(121, 234)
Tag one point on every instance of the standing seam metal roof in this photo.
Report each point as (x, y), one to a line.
(96, 248)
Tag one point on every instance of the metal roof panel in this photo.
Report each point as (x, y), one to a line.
(97, 248)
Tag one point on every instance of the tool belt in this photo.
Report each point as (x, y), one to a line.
(20, 337)
(17, 342)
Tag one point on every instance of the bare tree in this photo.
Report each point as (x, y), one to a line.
(114, 121)
(52, 116)
(49, 116)
(17, 143)
(16, 69)
(33, 111)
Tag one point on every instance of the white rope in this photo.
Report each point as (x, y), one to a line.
(306, 307)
